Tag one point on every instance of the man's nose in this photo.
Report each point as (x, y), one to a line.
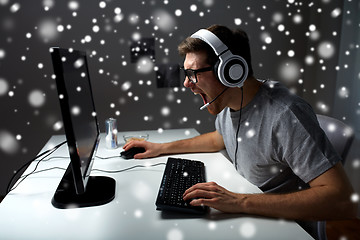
(187, 82)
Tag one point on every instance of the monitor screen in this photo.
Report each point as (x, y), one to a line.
(81, 128)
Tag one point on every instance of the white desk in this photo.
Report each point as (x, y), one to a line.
(27, 212)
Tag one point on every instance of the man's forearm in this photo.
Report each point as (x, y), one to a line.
(208, 142)
(303, 205)
(329, 197)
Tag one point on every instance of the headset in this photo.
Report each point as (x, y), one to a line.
(232, 70)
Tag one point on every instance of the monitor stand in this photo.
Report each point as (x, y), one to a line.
(99, 190)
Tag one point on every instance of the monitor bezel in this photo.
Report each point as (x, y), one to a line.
(80, 178)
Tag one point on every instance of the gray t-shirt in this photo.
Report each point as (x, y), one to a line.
(281, 146)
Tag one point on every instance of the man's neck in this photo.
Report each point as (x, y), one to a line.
(250, 88)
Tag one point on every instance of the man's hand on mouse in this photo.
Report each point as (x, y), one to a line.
(151, 149)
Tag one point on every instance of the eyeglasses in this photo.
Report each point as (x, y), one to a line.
(191, 73)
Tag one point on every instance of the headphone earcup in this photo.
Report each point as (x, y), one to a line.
(232, 70)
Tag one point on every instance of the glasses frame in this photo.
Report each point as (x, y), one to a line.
(193, 72)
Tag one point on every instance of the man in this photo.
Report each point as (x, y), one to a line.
(272, 137)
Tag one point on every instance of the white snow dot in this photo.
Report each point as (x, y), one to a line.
(326, 50)
(290, 71)
(117, 10)
(87, 38)
(281, 27)
(355, 197)
(174, 234)
(57, 126)
(291, 53)
(247, 230)
(4, 87)
(237, 21)
(15, 7)
(212, 225)
(102, 4)
(48, 30)
(8, 143)
(73, 5)
(165, 111)
(309, 60)
(356, 163)
(193, 8)
(297, 18)
(138, 213)
(336, 12)
(126, 86)
(60, 28)
(331, 127)
(250, 133)
(79, 63)
(178, 12)
(36, 98)
(343, 92)
(268, 40)
(96, 28)
(75, 110)
(312, 27)
(144, 65)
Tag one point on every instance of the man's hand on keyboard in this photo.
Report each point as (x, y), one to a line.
(212, 195)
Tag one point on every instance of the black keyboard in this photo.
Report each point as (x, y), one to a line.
(179, 175)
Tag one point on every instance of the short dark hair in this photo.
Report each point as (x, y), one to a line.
(236, 40)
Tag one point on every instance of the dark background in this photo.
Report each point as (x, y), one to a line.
(312, 47)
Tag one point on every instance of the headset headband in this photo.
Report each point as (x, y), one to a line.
(212, 40)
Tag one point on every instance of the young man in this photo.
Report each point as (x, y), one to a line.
(272, 137)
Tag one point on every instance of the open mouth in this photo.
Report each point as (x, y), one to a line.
(204, 98)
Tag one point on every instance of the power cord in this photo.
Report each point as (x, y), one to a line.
(127, 169)
(48, 152)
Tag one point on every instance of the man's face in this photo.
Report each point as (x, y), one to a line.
(208, 86)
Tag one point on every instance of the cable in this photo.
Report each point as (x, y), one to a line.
(48, 152)
(237, 131)
(98, 170)
(104, 158)
(68, 157)
(51, 151)
(127, 169)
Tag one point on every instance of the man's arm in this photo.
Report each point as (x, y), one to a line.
(329, 197)
(208, 142)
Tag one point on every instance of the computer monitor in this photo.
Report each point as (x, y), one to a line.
(77, 188)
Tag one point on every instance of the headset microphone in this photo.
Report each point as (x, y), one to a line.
(207, 104)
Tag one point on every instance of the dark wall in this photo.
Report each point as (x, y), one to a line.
(287, 39)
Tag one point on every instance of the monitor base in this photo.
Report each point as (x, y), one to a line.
(99, 190)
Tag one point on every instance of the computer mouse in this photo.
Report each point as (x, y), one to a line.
(131, 152)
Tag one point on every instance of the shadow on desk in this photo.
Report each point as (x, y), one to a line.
(213, 215)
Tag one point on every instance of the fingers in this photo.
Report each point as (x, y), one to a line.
(207, 190)
(151, 149)
(208, 186)
(134, 143)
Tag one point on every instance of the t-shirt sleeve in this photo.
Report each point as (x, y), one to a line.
(299, 141)
(219, 118)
